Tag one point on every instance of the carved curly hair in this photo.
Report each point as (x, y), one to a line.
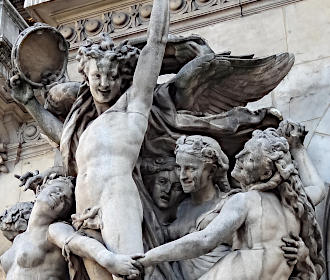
(102, 47)
(293, 196)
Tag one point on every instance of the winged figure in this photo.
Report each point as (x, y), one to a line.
(206, 97)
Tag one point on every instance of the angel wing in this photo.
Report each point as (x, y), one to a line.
(217, 83)
(178, 52)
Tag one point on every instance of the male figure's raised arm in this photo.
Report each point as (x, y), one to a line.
(150, 60)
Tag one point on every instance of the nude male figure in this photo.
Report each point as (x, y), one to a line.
(108, 149)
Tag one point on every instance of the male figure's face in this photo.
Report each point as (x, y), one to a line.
(167, 190)
(104, 79)
(251, 165)
(195, 174)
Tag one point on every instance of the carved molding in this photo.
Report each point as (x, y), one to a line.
(13, 14)
(29, 132)
(124, 21)
(5, 52)
(29, 150)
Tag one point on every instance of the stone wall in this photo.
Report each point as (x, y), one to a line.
(302, 28)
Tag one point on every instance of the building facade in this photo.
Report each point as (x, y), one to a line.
(263, 27)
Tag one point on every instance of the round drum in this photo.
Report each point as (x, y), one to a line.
(40, 55)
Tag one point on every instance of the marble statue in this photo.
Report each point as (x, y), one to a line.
(37, 252)
(117, 132)
(274, 202)
(163, 183)
(14, 220)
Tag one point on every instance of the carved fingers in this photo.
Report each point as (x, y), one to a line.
(21, 91)
(293, 132)
(124, 266)
(294, 249)
(30, 180)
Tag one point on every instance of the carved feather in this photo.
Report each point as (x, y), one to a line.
(217, 83)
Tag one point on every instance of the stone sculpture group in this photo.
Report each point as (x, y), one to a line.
(166, 181)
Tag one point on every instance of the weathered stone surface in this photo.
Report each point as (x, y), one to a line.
(324, 125)
(263, 33)
(308, 29)
(319, 150)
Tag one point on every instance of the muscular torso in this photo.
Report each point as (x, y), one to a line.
(267, 222)
(34, 258)
(107, 152)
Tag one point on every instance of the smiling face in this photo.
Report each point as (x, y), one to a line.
(252, 166)
(104, 79)
(55, 198)
(195, 174)
(166, 191)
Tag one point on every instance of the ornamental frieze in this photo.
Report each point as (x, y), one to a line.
(124, 21)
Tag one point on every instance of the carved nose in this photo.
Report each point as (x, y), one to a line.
(104, 84)
(167, 187)
(183, 174)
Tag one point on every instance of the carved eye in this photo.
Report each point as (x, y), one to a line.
(162, 180)
(178, 168)
(97, 76)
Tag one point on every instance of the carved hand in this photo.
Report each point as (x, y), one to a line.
(293, 132)
(294, 249)
(21, 91)
(32, 180)
(121, 265)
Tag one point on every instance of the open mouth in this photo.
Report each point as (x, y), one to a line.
(165, 197)
(104, 92)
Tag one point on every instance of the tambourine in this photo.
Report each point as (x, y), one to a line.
(40, 55)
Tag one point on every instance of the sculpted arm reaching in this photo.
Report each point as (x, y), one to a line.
(23, 93)
(193, 245)
(314, 185)
(62, 234)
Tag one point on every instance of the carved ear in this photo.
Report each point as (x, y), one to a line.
(213, 169)
(267, 175)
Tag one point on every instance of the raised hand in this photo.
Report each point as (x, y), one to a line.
(30, 180)
(293, 132)
(21, 91)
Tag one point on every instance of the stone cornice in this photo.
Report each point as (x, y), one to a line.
(28, 150)
(5, 52)
(126, 19)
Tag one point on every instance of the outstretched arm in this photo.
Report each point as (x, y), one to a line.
(150, 60)
(23, 93)
(314, 185)
(62, 234)
(231, 217)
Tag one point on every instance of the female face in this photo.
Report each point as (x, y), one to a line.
(252, 166)
(194, 173)
(55, 198)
